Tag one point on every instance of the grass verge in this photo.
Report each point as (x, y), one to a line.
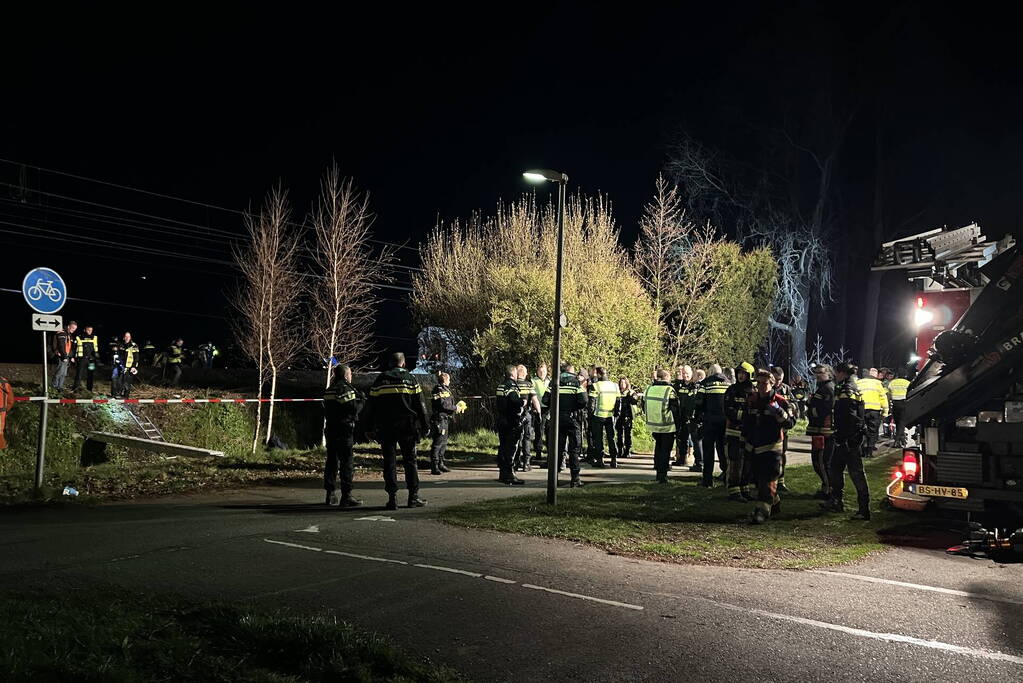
(112, 635)
(682, 522)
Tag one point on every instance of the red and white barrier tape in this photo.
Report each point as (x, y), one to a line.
(133, 401)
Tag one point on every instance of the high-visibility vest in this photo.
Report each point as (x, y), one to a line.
(80, 343)
(540, 386)
(898, 387)
(175, 352)
(129, 354)
(607, 396)
(656, 408)
(873, 393)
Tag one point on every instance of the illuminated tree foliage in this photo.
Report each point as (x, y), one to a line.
(488, 286)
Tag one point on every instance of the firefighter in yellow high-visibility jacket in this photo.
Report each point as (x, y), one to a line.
(875, 408)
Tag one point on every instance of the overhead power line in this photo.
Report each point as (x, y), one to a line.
(162, 196)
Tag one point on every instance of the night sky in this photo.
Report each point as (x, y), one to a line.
(437, 111)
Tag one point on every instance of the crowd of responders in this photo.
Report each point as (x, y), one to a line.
(737, 419)
(77, 353)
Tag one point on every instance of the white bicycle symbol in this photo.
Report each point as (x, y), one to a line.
(44, 287)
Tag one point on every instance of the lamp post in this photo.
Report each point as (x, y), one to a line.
(539, 176)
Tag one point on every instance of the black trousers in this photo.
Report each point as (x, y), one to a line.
(662, 451)
(525, 442)
(340, 468)
(508, 436)
(175, 373)
(440, 442)
(539, 433)
(696, 435)
(766, 469)
(898, 409)
(599, 428)
(820, 458)
(740, 465)
(390, 446)
(848, 455)
(872, 420)
(713, 438)
(570, 437)
(623, 436)
(681, 444)
(82, 368)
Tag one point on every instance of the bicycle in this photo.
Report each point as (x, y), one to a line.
(44, 287)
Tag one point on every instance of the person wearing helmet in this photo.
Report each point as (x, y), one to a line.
(739, 472)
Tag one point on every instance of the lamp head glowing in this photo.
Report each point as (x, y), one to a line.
(922, 316)
(538, 175)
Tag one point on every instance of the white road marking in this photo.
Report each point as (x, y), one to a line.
(452, 570)
(293, 545)
(613, 603)
(922, 587)
(126, 557)
(375, 518)
(497, 579)
(449, 569)
(314, 529)
(364, 557)
(859, 632)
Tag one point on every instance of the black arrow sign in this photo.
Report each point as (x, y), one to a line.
(40, 321)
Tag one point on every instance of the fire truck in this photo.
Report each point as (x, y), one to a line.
(965, 405)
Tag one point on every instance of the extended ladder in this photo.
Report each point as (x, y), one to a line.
(151, 431)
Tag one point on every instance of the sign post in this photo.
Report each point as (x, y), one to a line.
(45, 293)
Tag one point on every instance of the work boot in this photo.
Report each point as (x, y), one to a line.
(331, 499)
(863, 515)
(414, 501)
(442, 467)
(822, 495)
(392, 502)
(348, 502)
(614, 463)
(759, 515)
(434, 468)
(598, 462)
(833, 505)
(513, 481)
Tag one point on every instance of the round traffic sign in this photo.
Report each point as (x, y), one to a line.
(44, 290)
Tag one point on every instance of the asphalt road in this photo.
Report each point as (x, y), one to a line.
(509, 608)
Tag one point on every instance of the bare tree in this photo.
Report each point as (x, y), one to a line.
(268, 300)
(662, 234)
(343, 300)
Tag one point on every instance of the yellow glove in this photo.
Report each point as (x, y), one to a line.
(460, 407)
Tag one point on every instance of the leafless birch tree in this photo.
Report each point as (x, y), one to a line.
(343, 299)
(268, 300)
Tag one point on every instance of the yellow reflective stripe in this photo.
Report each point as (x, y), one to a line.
(393, 389)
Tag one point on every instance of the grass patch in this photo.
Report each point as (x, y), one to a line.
(682, 522)
(91, 634)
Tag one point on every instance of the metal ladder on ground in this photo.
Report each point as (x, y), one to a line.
(151, 431)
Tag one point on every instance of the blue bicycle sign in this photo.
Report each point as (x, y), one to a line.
(44, 290)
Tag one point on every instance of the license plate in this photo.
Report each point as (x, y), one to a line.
(941, 491)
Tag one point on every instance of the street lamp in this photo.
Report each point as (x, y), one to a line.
(540, 176)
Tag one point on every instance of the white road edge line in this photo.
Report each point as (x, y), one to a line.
(921, 587)
(859, 632)
(449, 569)
(613, 603)
(463, 572)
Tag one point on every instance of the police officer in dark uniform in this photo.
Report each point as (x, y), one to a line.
(571, 404)
(443, 407)
(710, 413)
(820, 427)
(342, 403)
(523, 457)
(86, 357)
(849, 436)
(510, 406)
(396, 417)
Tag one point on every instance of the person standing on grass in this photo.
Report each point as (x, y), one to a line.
(63, 347)
(396, 417)
(710, 413)
(443, 407)
(785, 391)
(623, 427)
(661, 413)
(342, 404)
(86, 356)
(820, 427)
(849, 436)
(765, 419)
(175, 356)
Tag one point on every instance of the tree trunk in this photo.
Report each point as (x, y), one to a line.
(259, 404)
(797, 343)
(273, 394)
(330, 373)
